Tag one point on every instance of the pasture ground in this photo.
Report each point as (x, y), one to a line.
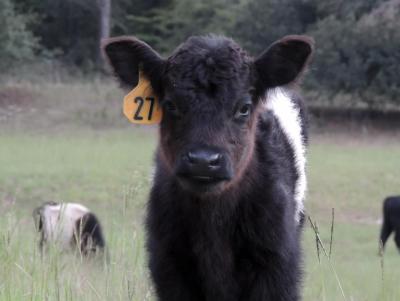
(69, 142)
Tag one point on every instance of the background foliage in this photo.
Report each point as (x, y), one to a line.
(17, 41)
(357, 59)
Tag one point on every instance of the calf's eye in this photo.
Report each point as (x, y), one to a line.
(243, 111)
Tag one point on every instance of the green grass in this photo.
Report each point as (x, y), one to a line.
(108, 172)
(50, 151)
(353, 178)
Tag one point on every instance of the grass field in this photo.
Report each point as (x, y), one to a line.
(55, 150)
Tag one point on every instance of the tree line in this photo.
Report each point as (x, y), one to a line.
(357, 58)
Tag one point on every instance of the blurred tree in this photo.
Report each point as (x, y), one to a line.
(17, 42)
(360, 55)
(105, 23)
(72, 27)
(167, 26)
(105, 15)
(261, 22)
(67, 28)
(124, 9)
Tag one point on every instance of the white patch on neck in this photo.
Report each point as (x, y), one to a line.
(288, 116)
(60, 220)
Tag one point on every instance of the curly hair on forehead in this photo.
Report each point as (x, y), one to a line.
(207, 61)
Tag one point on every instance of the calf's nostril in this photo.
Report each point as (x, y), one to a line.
(203, 158)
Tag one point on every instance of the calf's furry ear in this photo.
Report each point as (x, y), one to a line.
(283, 62)
(128, 55)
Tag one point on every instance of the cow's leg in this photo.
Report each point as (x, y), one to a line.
(397, 238)
(385, 233)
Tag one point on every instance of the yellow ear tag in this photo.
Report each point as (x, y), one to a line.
(141, 105)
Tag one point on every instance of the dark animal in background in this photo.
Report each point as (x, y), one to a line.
(391, 220)
(69, 226)
(225, 209)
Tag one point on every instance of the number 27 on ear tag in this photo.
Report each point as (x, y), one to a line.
(141, 105)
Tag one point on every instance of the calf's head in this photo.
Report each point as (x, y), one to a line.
(210, 91)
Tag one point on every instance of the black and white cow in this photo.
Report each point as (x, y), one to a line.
(391, 220)
(225, 209)
(69, 226)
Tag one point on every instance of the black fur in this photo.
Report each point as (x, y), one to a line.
(237, 240)
(391, 220)
(89, 234)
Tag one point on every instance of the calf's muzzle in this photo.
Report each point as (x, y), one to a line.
(203, 166)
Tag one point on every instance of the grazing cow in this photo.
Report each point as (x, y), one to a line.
(225, 209)
(69, 225)
(391, 220)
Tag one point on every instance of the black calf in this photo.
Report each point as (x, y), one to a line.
(226, 204)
